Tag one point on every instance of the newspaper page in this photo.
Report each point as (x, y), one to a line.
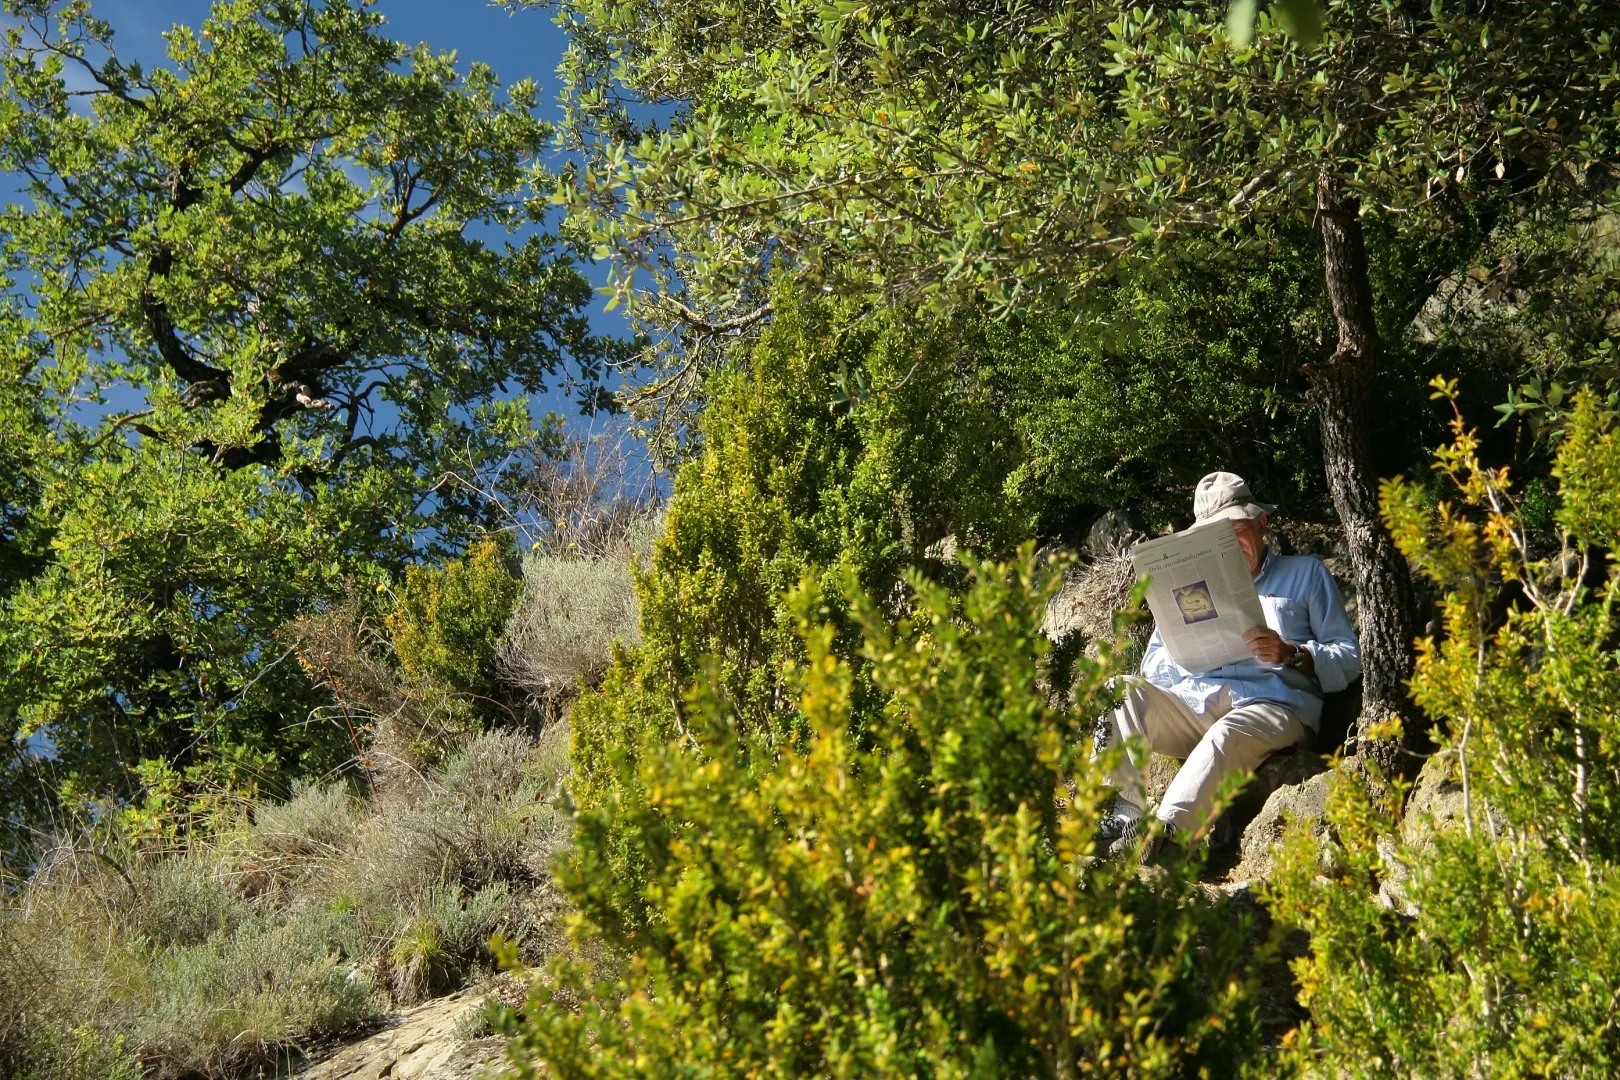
(1201, 594)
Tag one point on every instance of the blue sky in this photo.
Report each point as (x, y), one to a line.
(524, 44)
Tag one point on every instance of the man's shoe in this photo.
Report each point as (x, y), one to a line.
(1120, 839)
(1117, 838)
(1114, 835)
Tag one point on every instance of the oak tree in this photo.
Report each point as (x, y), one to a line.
(263, 299)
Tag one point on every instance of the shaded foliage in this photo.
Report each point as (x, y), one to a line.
(848, 442)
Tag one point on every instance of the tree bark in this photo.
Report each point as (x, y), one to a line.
(1341, 390)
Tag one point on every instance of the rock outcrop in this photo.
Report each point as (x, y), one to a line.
(1291, 781)
(1113, 534)
(1084, 608)
(1283, 772)
(428, 1042)
(1304, 800)
(1097, 584)
(1436, 803)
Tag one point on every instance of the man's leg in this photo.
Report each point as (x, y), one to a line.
(1237, 742)
(1153, 716)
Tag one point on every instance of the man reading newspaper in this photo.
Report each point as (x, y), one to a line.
(1229, 717)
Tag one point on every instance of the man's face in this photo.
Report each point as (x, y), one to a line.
(1251, 534)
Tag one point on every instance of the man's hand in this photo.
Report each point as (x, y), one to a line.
(1268, 646)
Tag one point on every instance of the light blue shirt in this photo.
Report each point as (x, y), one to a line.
(1302, 603)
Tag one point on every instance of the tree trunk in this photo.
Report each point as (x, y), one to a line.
(1341, 390)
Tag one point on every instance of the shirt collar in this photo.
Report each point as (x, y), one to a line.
(1265, 564)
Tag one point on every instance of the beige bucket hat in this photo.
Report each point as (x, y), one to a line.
(1226, 495)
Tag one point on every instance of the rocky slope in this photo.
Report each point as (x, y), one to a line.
(433, 1041)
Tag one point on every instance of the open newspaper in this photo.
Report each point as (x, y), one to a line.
(1201, 594)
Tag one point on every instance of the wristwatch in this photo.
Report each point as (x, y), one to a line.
(1298, 660)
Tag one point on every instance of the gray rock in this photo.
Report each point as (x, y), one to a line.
(1113, 534)
(423, 1043)
(1305, 801)
(1436, 804)
(1284, 769)
(1396, 873)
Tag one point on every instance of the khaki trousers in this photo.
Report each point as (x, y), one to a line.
(1213, 746)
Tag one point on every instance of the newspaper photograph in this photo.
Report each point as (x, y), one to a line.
(1201, 594)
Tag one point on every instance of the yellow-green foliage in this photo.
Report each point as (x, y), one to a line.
(1499, 956)
(907, 893)
(449, 619)
(839, 445)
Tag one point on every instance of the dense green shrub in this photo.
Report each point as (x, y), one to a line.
(447, 621)
(1174, 380)
(1165, 377)
(905, 893)
(845, 441)
(407, 683)
(1489, 948)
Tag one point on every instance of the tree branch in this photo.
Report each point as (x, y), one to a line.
(693, 321)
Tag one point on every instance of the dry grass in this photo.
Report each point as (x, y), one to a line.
(572, 611)
(397, 729)
(588, 501)
(232, 953)
(1093, 596)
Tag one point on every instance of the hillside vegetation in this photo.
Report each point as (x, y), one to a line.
(722, 734)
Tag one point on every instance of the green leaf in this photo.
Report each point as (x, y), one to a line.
(1240, 22)
(1303, 18)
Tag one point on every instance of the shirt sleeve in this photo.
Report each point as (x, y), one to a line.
(1157, 667)
(1334, 646)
